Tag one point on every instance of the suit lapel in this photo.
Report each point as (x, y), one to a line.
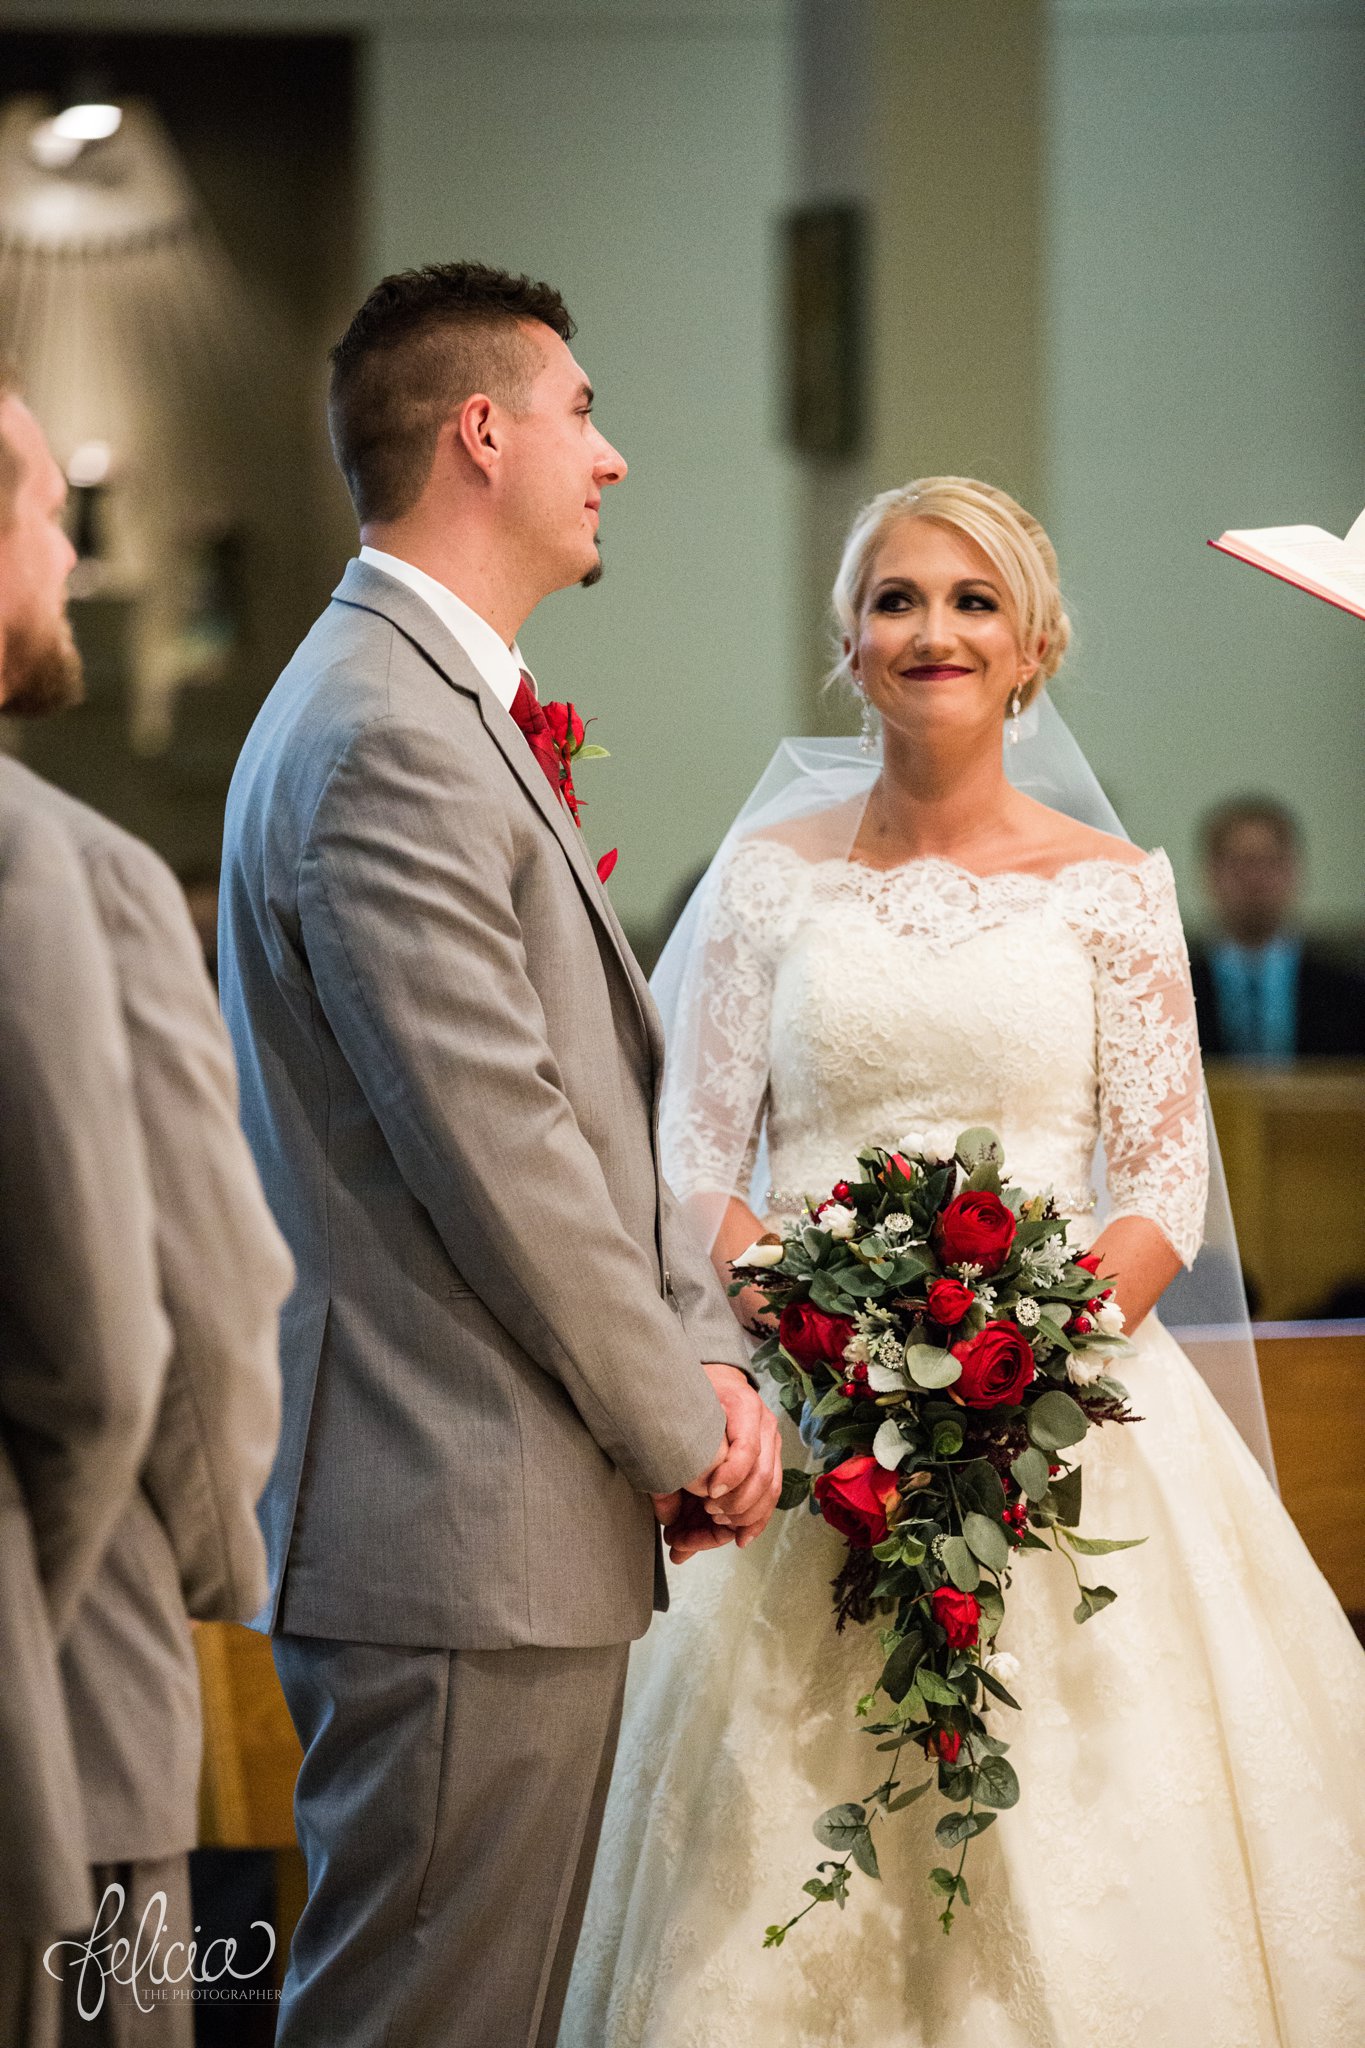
(369, 589)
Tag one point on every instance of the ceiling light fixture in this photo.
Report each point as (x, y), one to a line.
(92, 121)
(56, 144)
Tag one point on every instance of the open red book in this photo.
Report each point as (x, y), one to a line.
(1307, 557)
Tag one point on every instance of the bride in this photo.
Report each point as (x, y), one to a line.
(938, 950)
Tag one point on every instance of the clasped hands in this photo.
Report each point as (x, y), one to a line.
(734, 1500)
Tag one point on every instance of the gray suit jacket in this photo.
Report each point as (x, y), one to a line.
(83, 1341)
(450, 1065)
(185, 1537)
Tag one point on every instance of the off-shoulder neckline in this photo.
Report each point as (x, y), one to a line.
(1157, 858)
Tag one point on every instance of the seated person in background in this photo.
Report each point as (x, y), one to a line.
(1262, 991)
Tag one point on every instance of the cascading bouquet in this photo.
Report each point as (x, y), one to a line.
(942, 1348)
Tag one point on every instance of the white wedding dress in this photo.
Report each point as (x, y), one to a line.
(1186, 1866)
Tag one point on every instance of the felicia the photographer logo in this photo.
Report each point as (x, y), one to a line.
(148, 1965)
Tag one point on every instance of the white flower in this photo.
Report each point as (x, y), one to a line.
(1003, 1666)
(1109, 1318)
(1027, 1312)
(856, 1351)
(838, 1220)
(1083, 1368)
(766, 1251)
(914, 1144)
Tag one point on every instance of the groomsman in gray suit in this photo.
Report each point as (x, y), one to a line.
(506, 1362)
(78, 1390)
(141, 1278)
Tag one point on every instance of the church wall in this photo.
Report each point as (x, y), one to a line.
(636, 152)
(1205, 272)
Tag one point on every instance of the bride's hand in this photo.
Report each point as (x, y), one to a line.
(739, 1228)
(751, 1307)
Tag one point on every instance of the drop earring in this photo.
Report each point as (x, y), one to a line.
(1016, 706)
(867, 737)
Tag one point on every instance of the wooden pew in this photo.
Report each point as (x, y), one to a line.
(1293, 1144)
(251, 1759)
(1314, 1380)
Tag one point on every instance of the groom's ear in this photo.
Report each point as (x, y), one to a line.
(473, 433)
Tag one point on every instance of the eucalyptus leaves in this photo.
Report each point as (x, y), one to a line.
(947, 1349)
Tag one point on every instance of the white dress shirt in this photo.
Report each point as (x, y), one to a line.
(500, 665)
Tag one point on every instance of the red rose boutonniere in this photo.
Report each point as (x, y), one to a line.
(568, 733)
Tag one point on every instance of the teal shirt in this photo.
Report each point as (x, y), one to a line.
(1258, 997)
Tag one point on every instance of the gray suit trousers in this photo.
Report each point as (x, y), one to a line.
(449, 1806)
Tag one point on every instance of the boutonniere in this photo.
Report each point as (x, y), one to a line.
(569, 734)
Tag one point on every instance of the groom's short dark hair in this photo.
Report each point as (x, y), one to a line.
(423, 342)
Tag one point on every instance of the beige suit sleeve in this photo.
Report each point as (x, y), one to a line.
(83, 1341)
(406, 894)
(709, 1320)
(224, 1270)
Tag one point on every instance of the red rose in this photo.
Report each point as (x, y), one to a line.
(1090, 1262)
(811, 1336)
(976, 1229)
(996, 1367)
(566, 727)
(853, 1499)
(899, 1160)
(958, 1615)
(949, 1302)
(943, 1743)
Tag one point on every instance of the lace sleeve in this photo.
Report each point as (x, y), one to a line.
(1151, 1084)
(716, 1071)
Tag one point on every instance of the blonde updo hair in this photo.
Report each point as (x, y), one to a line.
(1011, 537)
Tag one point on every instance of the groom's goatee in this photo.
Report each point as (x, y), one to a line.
(594, 575)
(41, 675)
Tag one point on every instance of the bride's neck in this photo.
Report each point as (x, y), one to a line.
(935, 798)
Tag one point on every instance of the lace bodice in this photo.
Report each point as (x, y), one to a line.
(866, 1006)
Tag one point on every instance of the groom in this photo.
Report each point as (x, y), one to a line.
(493, 1358)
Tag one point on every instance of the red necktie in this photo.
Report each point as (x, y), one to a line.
(535, 727)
